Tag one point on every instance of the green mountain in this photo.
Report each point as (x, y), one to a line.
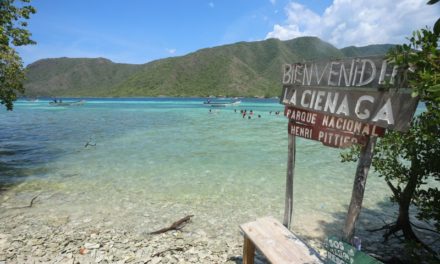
(74, 77)
(240, 69)
(369, 50)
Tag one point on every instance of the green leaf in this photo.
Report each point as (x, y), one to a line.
(12, 16)
(431, 2)
(437, 27)
(434, 88)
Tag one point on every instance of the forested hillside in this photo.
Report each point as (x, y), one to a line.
(240, 69)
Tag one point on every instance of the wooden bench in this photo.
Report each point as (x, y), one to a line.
(276, 243)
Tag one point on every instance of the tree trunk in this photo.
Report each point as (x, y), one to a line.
(404, 199)
(403, 222)
(404, 202)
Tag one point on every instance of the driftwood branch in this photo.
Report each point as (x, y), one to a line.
(175, 226)
(27, 206)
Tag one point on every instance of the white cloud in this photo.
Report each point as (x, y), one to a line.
(211, 4)
(171, 51)
(273, 2)
(357, 22)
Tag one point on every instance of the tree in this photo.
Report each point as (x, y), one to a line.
(409, 162)
(13, 33)
(412, 158)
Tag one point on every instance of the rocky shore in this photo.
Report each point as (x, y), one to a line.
(44, 233)
(54, 229)
(26, 237)
(22, 243)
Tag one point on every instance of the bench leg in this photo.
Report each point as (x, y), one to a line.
(248, 251)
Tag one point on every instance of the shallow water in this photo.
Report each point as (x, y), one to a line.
(153, 161)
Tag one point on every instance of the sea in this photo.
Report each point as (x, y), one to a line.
(142, 163)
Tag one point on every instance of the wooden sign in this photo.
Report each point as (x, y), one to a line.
(339, 252)
(332, 131)
(392, 110)
(340, 103)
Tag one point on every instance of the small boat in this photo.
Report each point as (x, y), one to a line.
(31, 99)
(222, 103)
(61, 103)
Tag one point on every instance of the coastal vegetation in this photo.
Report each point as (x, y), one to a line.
(251, 69)
(13, 33)
(408, 162)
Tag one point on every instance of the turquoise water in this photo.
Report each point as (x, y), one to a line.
(152, 160)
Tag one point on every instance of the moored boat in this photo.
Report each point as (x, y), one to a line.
(61, 103)
(222, 103)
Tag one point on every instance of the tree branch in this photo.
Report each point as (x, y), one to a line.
(393, 189)
(27, 206)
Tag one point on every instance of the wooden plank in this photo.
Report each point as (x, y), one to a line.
(302, 252)
(288, 203)
(357, 194)
(248, 251)
(277, 243)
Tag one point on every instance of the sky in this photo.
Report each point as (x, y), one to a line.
(140, 31)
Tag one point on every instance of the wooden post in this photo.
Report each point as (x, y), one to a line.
(248, 251)
(357, 194)
(289, 181)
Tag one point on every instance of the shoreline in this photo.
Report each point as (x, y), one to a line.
(50, 98)
(38, 234)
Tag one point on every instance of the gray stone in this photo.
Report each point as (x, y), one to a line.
(91, 245)
(39, 252)
(156, 260)
(99, 256)
(4, 241)
(203, 254)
